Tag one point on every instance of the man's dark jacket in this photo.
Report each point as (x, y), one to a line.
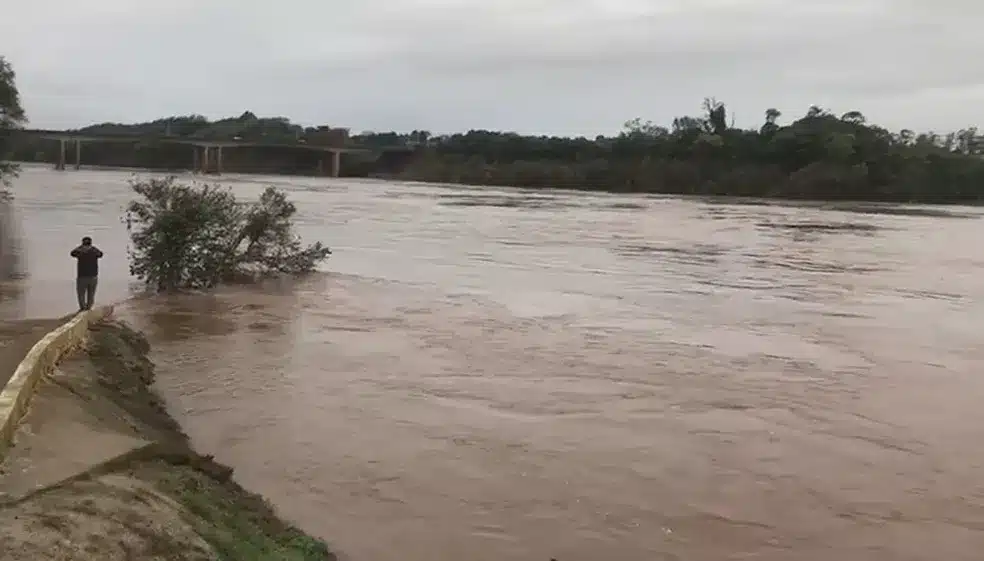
(88, 260)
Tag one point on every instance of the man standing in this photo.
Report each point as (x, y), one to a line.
(87, 277)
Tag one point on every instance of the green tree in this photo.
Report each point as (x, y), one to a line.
(636, 128)
(855, 117)
(815, 112)
(771, 125)
(717, 121)
(200, 236)
(12, 117)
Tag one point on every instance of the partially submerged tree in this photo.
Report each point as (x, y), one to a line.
(12, 117)
(199, 236)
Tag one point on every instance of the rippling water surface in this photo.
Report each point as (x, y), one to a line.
(499, 374)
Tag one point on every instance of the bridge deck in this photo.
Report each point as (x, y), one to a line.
(82, 137)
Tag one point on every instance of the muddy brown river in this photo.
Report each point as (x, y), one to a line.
(489, 374)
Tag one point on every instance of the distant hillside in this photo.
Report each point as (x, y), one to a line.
(247, 127)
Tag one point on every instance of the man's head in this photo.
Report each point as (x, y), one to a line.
(87, 241)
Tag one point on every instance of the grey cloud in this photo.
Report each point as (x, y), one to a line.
(546, 66)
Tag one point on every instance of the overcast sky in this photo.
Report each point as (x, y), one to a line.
(539, 66)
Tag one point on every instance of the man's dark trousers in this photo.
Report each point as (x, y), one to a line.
(85, 287)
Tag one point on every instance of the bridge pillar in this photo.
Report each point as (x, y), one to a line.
(78, 154)
(218, 159)
(330, 169)
(205, 159)
(195, 164)
(60, 164)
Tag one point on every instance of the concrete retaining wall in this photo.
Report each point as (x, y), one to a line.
(40, 360)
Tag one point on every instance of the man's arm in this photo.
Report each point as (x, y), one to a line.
(76, 251)
(97, 251)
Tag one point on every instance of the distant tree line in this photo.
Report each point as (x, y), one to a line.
(820, 155)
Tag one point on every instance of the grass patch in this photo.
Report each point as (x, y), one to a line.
(241, 526)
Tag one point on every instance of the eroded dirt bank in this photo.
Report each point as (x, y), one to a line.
(99, 470)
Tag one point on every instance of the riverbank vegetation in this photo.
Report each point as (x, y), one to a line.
(12, 117)
(191, 236)
(817, 156)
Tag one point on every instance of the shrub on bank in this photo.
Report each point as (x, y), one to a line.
(199, 236)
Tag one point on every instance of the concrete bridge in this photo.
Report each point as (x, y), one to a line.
(207, 154)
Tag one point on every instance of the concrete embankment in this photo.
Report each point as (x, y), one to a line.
(97, 469)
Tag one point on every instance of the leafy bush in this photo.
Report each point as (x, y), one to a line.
(198, 236)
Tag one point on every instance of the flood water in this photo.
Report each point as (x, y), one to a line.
(492, 374)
